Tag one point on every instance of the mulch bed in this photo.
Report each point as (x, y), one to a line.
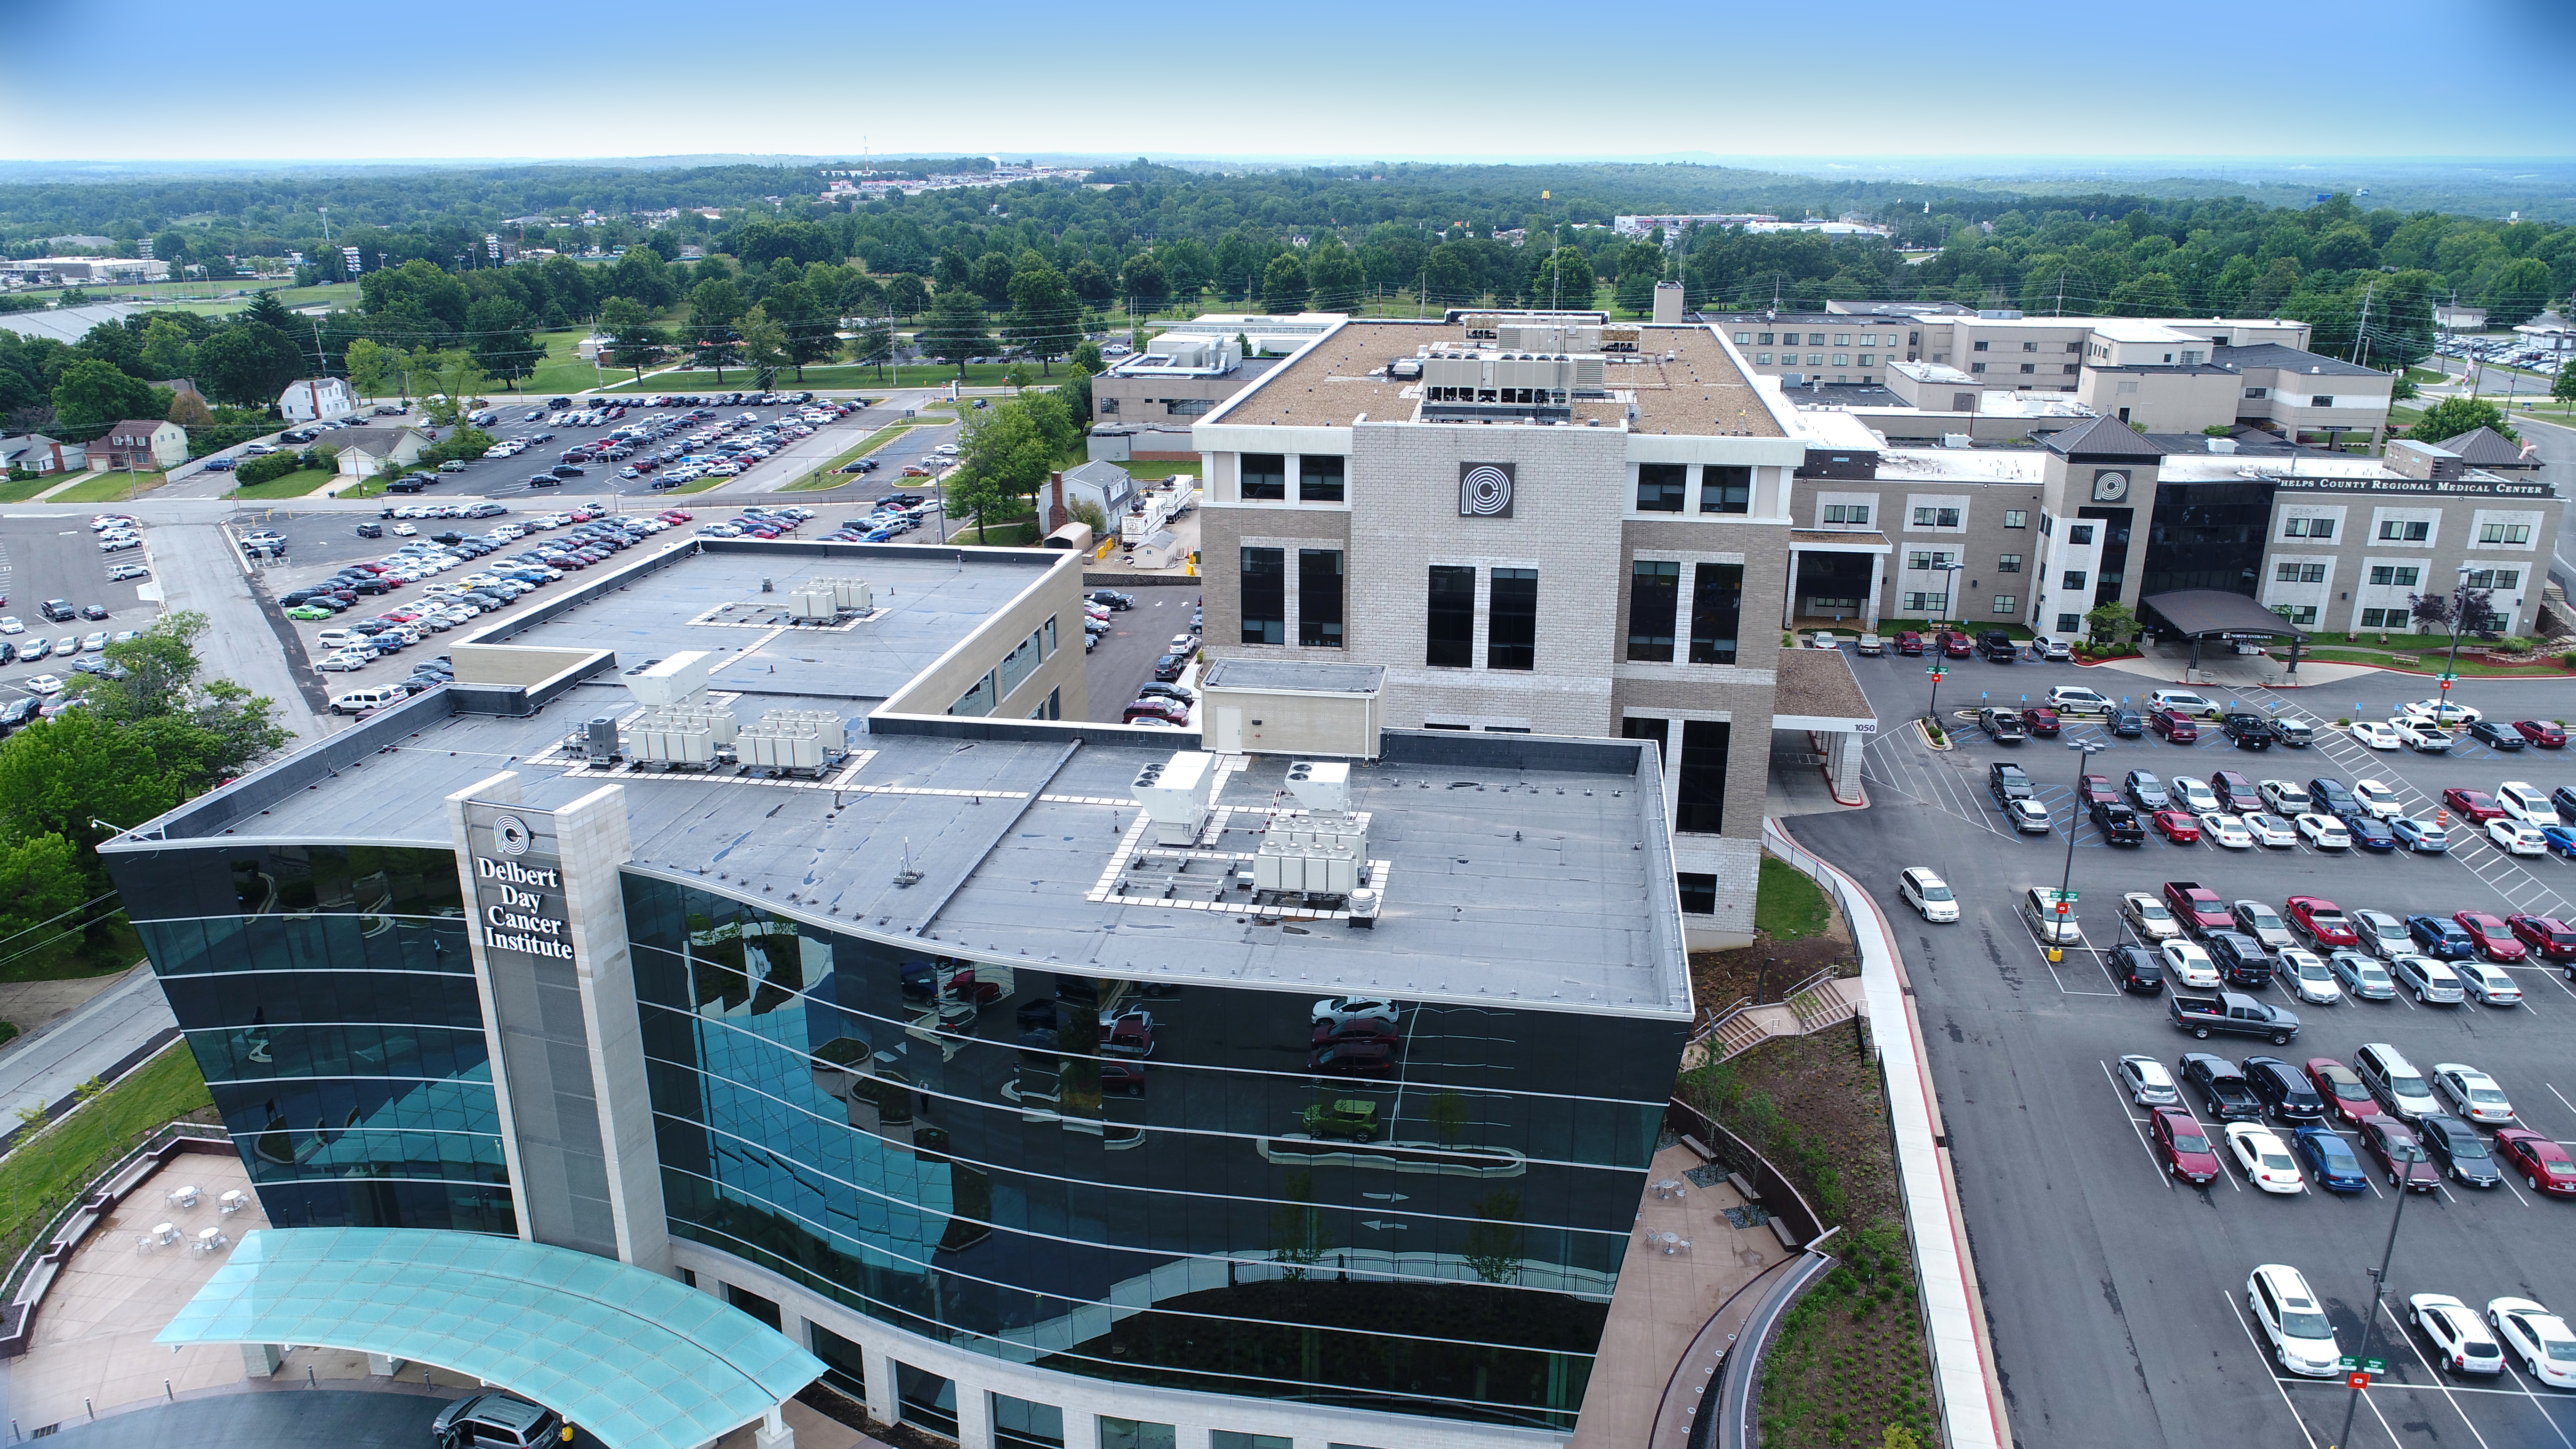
(1719, 979)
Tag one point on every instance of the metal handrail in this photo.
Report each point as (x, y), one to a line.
(1718, 1019)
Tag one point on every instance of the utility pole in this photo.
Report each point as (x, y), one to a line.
(2378, 1287)
(2361, 329)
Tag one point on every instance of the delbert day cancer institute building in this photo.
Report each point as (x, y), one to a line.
(760, 916)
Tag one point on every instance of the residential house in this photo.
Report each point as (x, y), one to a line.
(145, 444)
(315, 399)
(369, 449)
(36, 453)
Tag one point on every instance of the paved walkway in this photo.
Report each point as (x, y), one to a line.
(2229, 671)
(1664, 1300)
(124, 1017)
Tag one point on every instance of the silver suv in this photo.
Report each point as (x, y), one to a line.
(498, 1421)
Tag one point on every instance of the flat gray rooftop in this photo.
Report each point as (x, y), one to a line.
(1295, 674)
(1512, 868)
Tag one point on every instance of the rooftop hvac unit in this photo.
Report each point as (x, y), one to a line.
(1322, 786)
(810, 604)
(825, 725)
(1364, 903)
(1588, 372)
(662, 743)
(719, 723)
(1176, 794)
(669, 681)
(598, 738)
(1309, 862)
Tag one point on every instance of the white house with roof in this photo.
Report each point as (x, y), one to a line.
(315, 399)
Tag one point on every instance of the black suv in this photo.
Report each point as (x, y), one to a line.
(2249, 731)
(59, 610)
(2118, 823)
(2007, 782)
(2240, 958)
(2138, 968)
(1998, 646)
(2457, 1149)
(2223, 1087)
(2285, 1090)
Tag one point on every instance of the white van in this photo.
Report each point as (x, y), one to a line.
(357, 700)
(339, 638)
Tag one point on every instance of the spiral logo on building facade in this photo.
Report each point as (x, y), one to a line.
(1485, 490)
(511, 836)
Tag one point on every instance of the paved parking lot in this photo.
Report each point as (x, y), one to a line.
(2116, 1295)
(55, 556)
(1136, 638)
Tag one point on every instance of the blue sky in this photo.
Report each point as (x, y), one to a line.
(1503, 78)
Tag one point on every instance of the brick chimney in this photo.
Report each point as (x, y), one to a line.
(1056, 517)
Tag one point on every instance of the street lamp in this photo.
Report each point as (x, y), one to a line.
(2408, 1154)
(2084, 751)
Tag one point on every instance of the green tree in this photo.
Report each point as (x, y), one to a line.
(2151, 295)
(266, 310)
(812, 326)
(190, 411)
(456, 383)
(500, 333)
(1144, 282)
(1283, 285)
(2517, 292)
(1003, 453)
(93, 394)
(905, 296)
(955, 329)
(169, 350)
(1335, 274)
(2564, 388)
(1086, 358)
(714, 307)
(40, 880)
(2453, 416)
(367, 362)
(764, 344)
(248, 363)
(633, 340)
(1090, 282)
(1563, 281)
(1046, 320)
(2114, 624)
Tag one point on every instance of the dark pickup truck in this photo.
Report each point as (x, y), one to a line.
(2233, 1013)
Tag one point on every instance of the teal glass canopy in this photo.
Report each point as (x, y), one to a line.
(639, 1360)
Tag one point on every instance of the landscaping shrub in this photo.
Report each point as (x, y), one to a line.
(268, 467)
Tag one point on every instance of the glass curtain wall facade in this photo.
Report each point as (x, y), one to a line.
(328, 993)
(968, 1152)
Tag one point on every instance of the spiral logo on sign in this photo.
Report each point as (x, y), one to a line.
(1485, 492)
(511, 836)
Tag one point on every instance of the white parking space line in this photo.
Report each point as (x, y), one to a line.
(2265, 1353)
(2139, 1128)
(2398, 1327)
(2514, 1376)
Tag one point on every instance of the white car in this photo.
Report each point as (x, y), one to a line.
(2526, 803)
(2422, 738)
(1929, 894)
(2270, 830)
(2515, 838)
(2380, 801)
(1341, 1011)
(44, 684)
(12, 625)
(2284, 797)
(2487, 982)
(2227, 830)
(2075, 698)
(2303, 972)
(2377, 734)
(2443, 712)
(2193, 795)
(2189, 703)
(2190, 964)
(2147, 1082)
(2537, 1337)
(405, 530)
(2324, 831)
(343, 662)
(2266, 1161)
(2293, 1321)
(2461, 1342)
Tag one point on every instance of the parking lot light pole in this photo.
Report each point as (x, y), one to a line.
(2451, 666)
(2084, 750)
(2378, 1286)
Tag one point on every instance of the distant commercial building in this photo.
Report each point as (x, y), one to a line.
(78, 271)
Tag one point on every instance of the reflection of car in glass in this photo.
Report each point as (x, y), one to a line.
(1366, 1057)
(1340, 1009)
(1130, 1035)
(1350, 1117)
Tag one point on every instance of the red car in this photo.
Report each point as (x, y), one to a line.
(2543, 1163)
(2548, 937)
(2098, 790)
(678, 515)
(2322, 921)
(2477, 805)
(2341, 1087)
(1170, 712)
(1131, 1035)
(2177, 826)
(1909, 642)
(1957, 646)
(2235, 793)
(2174, 725)
(1363, 1058)
(2400, 1156)
(2041, 720)
(2495, 938)
(2542, 733)
(2183, 1145)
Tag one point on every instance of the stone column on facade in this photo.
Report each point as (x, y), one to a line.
(1842, 764)
(882, 1406)
(772, 1432)
(1877, 582)
(1789, 605)
(974, 1412)
(262, 1360)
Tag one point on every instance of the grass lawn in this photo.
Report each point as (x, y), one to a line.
(109, 488)
(1787, 905)
(61, 958)
(1000, 535)
(696, 485)
(25, 489)
(829, 474)
(833, 375)
(294, 485)
(2429, 660)
(49, 1169)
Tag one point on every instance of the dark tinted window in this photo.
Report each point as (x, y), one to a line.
(1319, 479)
(1511, 625)
(1451, 641)
(1717, 609)
(1654, 600)
(1725, 488)
(1701, 807)
(1265, 476)
(1265, 596)
(1661, 487)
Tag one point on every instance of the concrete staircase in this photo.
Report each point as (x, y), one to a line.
(1821, 1001)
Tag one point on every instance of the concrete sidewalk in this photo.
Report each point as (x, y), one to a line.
(42, 1068)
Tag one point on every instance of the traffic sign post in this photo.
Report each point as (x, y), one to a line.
(2358, 1380)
